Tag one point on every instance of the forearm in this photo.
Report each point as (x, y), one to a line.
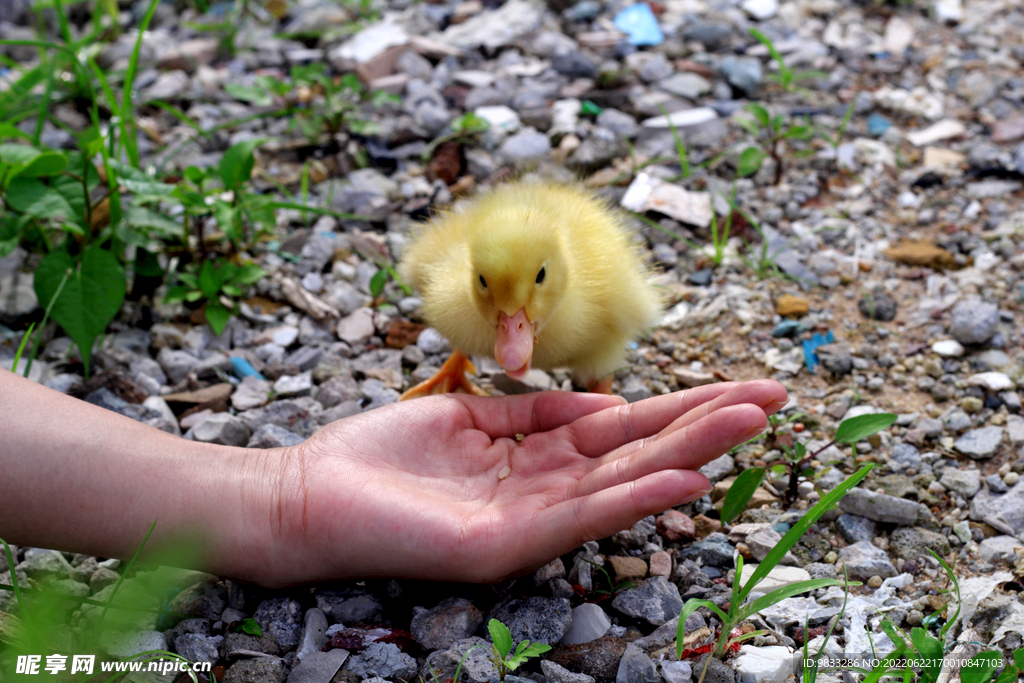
(76, 477)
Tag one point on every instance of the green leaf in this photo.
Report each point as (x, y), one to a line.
(501, 636)
(141, 217)
(32, 197)
(740, 492)
(44, 165)
(377, 282)
(18, 155)
(689, 608)
(251, 626)
(209, 281)
(177, 294)
(800, 528)
(253, 94)
(780, 594)
(249, 274)
(217, 315)
(981, 667)
(749, 125)
(236, 165)
(750, 161)
(91, 297)
(858, 428)
(760, 113)
(1018, 658)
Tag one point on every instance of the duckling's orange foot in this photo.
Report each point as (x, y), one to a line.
(451, 378)
(602, 386)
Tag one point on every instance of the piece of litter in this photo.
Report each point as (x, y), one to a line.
(639, 23)
(520, 437)
(505, 471)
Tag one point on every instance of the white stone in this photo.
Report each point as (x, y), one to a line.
(474, 78)
(949, 10)
(647, 193)
(898, 35)
(565, 116)
(771, 664)
(998, 548)
(291, 385)
(919, 101)
(762, 10)
(1015, 429)
(501, 117)
(589, 622)
(943, 130)
(159, 405)
(676, 672)
(993, 381)
(950, 348)
(778, 577)
(372, 41)
(681, 119)
(496, 28)
(251, 393)
(283, 336)
(357, 327)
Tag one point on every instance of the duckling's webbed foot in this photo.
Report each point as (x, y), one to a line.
(602, 386)
(451, 378)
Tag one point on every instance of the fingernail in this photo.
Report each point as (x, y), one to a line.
(754, 433)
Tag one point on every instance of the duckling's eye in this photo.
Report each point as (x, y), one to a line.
(540, 276)
(483, 282)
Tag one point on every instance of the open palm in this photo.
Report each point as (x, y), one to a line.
(442, 488)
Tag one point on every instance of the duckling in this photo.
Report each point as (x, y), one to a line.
(539, 275)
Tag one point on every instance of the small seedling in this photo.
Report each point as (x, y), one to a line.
(505, 659)
(464, 130)
(787, 78)
(613, 588)
(796, 462)
(250, 626)
(219, 285)
(737, 611)
(770, 131)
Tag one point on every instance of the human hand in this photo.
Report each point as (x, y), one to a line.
(414, 489)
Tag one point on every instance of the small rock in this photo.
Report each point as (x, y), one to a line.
(655, 601)
(980, 444)
(964, 482)
(589, 622)
(452, 620)
(769, 664)
(864, 560)
(272, 436)
(790, 306)
(223, 429)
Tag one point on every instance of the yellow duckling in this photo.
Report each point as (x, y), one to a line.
(540, 275)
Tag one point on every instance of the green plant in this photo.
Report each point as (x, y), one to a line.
(219, 285)
(613, 588)
(811, 664)
(770, 131)
(787, 78)
(464, 130)
(250, 626)
(796, 460)
(504, 658)
(737, 611)
(835, 140)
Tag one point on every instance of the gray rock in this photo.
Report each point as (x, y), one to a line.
(999, 548)
(316, 253)
(711, 35)
(127, 645)
(337, 390)
(537, 619)
(272, 436)
(314, 634)
(883, 508)
(1004, 511)
(318, 667)
(636, 667)
(717, 670)
(554, 673)
(714, 551)
(980, 444)
(879, 306)
(864, 560)
(719, 468)
(384, 660)
(619, 122)
(654, 67)
(973, 321)
(453, 619)
(676, 672)
(686, 84)
(636, 391)
(589, 622)
(912, 543)
(281, 618)
(836, 358)
(742, 73)
(957, 421)
(177, 364)
(340, 412)
(855, 528)
(305, 358)
(198, 648)
(996, 484)
(906, 454)
(345, 297)
(526, 145)
(357, 327)
(349, 606)
(296, 415)
(574, 64)
(476, 665)
(655, 601)
(256, 670)
(223, 429)
(964, 482)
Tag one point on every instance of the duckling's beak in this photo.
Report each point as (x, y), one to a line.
(513, 348)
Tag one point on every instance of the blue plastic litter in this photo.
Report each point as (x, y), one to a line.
(787, 328)
(878, 124)
(810, 357)
(244, 368)
(640, 25)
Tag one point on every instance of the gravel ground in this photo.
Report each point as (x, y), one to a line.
(905, 241)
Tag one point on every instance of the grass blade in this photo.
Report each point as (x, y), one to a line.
(800, 528)
(21, 348)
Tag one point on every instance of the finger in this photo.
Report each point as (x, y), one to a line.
(598, 434)
(690, 448)
(605, 512)
(506, 416)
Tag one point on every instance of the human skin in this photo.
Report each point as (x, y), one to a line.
(410, 490)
